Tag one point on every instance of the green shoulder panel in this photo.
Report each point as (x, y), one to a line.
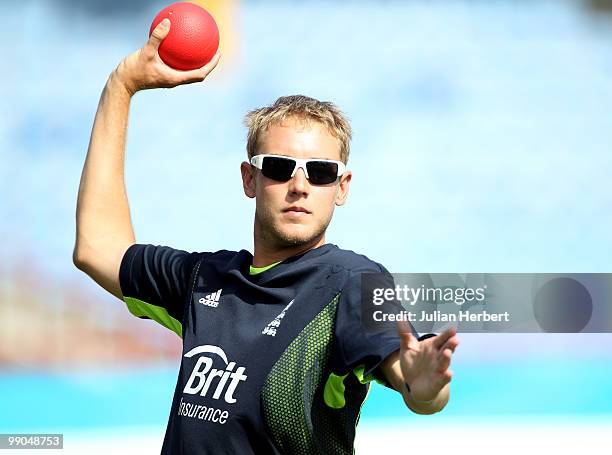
(358, 372)
(139, 309)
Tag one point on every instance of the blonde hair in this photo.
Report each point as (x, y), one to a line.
(302, 108)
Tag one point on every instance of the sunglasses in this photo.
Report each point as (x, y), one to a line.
(282, 168)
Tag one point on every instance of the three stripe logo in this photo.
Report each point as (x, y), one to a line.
(211, 299)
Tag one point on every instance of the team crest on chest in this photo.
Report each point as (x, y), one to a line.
(273, 325)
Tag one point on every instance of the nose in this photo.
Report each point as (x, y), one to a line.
(299, 184)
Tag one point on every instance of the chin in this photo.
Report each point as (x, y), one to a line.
(297, 235)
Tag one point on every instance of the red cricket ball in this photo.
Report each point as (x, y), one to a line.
(193, 39)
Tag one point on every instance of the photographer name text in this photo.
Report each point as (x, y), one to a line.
(438, 316)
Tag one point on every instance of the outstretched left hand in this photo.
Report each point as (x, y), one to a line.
(424, 364)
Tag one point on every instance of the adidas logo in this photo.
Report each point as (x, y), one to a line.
(211, 299)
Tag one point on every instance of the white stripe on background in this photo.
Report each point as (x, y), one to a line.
(486, 436)
(496, 435)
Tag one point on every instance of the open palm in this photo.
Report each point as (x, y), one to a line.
(425, 363)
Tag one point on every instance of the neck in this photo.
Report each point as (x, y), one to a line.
(267, 253)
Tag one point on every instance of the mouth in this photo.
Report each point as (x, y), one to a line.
(297, 211)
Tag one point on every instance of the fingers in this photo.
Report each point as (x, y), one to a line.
(201, 73)
(403, 327)
(212, 64)
(444, 379)
(159, 33)
(407, 338)
(451, 344)
(439, 341)
(444, 360)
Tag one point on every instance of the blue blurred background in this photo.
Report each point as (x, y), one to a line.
(483, 132)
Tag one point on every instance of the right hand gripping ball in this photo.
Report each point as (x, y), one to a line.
(193, 38)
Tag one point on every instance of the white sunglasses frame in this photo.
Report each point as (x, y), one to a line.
(257, 161)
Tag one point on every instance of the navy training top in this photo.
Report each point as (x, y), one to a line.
(273, 362)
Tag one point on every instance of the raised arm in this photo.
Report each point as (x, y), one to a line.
(103, 224)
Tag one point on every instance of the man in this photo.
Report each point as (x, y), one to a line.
(275, 358)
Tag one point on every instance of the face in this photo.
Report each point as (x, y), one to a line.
(295, 213)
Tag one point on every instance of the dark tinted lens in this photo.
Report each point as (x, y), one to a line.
(322, 172)
(277, 168)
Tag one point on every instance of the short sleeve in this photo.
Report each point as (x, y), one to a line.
(155, 282)
(360, 350)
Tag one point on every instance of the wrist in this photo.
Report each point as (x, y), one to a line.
(118, 79)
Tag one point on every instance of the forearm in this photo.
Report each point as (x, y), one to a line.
(103, 216)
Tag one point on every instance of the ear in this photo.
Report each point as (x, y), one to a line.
(248, 179)
(343, 188)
